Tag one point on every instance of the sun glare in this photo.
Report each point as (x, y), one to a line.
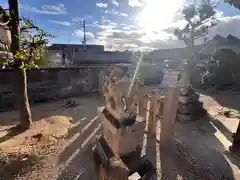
(158, 14)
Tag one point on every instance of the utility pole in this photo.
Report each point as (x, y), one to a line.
(80, 25)
(84, 32)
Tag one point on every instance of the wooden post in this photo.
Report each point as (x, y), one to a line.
(161, 102)
(102, 173)
(169, 115)
(143, 100)
(154, 109)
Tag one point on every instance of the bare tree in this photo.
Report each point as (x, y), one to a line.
(235, 3)
(199, 18)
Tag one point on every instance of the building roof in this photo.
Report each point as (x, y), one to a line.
(62, 46)
(204, 50)
(219, 42)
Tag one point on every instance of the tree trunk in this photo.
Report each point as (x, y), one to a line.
(22, 98)
(21, 79)
(190, 64)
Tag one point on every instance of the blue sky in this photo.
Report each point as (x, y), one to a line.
(120, 24)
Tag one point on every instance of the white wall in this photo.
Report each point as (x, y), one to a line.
(55, 58)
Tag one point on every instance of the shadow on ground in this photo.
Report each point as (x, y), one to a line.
(221, 127)
(11, 132)
(169, 165)
(77, 112)
(227, 99)
(201, 143)
(76, 158)
(43, 110)
(233, 158)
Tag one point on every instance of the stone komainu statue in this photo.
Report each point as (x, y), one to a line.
(120, 100)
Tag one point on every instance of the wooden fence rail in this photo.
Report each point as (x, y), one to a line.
(161, 106)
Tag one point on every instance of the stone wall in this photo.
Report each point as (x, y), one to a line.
(51, 83)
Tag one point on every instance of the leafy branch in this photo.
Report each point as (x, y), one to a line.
(32, 42)
(32, 39)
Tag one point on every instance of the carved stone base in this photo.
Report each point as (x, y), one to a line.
(185, 118)
(186, 91)
(190, 108)
(122, 138)
(188, 98)
(111, 166)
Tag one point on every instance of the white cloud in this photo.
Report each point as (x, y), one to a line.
(117, 36)
(165, 12)
(115, 12)
(4, 5)
(64, 23)
(226, 26)
(80, 33)
(107, 21)
(113, 37)
(123, 14)
(102, 5)
(90, 37)
(77, 19)
(115, 3)
(54, 9)
(129, 37)
(136, 3)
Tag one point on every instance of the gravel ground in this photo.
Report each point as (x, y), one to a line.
(72, 160)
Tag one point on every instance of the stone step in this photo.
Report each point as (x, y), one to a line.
(190, 108)
(186, 118)
(186, 91)
(188, 99)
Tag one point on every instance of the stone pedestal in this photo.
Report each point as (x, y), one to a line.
(122, 136)
(112, 166)
(235, 148)
(117, 151)
(189, 108)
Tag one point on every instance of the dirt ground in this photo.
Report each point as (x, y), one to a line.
(51, 147)
(58, 147)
